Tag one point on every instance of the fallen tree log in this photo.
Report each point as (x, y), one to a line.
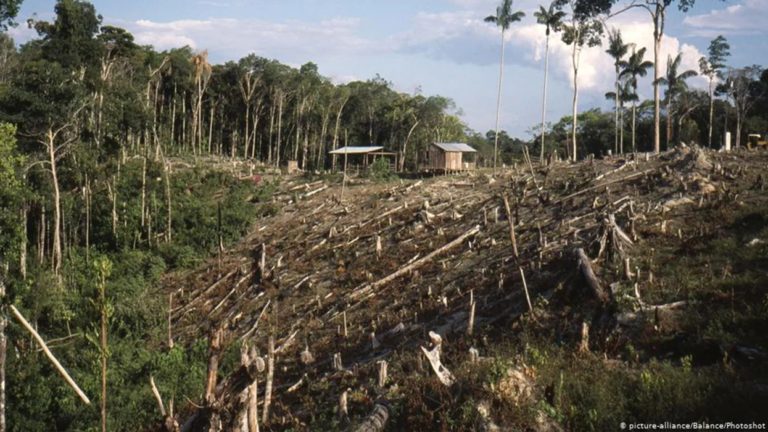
(376, 421)
(585, 268)
(367, 288)
(619, 180)
(63, 372)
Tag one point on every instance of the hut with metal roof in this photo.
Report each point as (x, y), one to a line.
(448, 157)
(362, 156)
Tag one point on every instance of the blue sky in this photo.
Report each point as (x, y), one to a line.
(434, 46)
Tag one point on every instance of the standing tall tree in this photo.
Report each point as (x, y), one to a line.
(248, 83)
(625, 95)
(503, 19)
(583, 29)
(744, 88)
(658, 12)
(675, 83)
(617, 49)
(103, 267)
(202, 78)
(712, 67)
(636, 66)
(552, 19)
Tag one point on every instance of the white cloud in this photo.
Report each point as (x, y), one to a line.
(344, 79)
(290, 41)
(745, 18)
(22, 33)
(463, 37)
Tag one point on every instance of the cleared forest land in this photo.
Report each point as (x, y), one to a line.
(608, 291)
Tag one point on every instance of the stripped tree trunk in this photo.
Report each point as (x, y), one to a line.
(213, 366)
(270, 376)
(544, 99)
(56, 253)
(253, 406)
(711, 109)
(3, 345)
(657, 34)
(498, 105)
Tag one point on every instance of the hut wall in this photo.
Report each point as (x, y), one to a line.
(453, 161)
(440, 160)
(436, 158)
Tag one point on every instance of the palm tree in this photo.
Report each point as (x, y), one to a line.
(504, 18)
(552, 19)
(636, 66)
(617, 49)
(675, 84)
(625, 95)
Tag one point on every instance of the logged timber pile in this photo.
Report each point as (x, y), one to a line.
(338, 303)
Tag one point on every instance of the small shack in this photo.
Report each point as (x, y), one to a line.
(362, 156)
(446, 157)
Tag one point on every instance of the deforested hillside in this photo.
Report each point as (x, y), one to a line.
(559, 297)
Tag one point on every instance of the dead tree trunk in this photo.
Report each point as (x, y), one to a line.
(213, 366)
(376, 421)
(253, 406)
(270, 376)
(3, 345)
(585, 268)
(365, 289)
(511, 221)
(59, 368)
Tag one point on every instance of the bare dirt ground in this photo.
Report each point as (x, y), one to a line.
(366, 277)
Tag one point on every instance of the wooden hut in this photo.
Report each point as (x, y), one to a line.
(362, 156)
(446, 157)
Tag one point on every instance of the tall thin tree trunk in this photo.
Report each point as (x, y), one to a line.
(255, 150)
(575, 64)
(87, 199)
(195, 117)
(498, 105)
(405, 145)
(621, 130)
(104, 350)
(143, 190)
(56, 253)
(155, 135)
(656, 76)
(23, 244)
(670, 106)
(184, 141)
(173, 119)
(41, 238)
(320, 159)
(616, 113)
(336, 132)
(279, 129)
(711, 111)
(634, 110)
(246, 140)
(544, 98)
(210, 128)
(271, 133)
(3, 346)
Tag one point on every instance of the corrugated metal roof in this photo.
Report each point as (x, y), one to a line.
(455, 147)
(356, 150)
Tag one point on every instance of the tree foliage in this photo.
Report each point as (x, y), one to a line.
(8, 11)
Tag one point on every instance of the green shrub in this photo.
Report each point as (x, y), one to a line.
(379, 170)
